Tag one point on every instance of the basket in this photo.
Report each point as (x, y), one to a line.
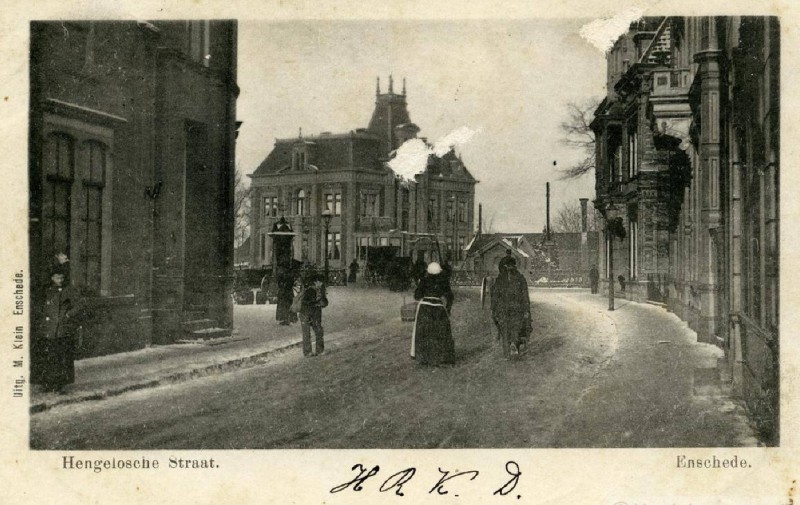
(408, 311)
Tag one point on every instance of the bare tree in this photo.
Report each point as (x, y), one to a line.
(568, 219)
(241, 207)
(579, 135)
(489, 226)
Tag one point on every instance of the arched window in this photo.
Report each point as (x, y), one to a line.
(301, 203)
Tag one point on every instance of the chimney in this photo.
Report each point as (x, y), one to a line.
(584, 222)
(480, 218)
(547, 228)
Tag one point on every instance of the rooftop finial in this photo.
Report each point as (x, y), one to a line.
(300, 133)
(391, 84)
(378, 87)
(404, 86)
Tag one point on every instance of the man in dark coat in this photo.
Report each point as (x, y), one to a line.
(314, 300)
(54, 342)
(511, 308)
(594, 278)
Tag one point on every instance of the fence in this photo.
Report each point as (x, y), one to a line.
(558, 278)
(549, 279)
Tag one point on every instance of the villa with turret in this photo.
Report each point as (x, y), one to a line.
(347, 174)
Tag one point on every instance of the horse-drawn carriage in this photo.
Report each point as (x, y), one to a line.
(386, 267)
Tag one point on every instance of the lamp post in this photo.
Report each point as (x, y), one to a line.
(327, 215)
(455, 226)
(610, 216)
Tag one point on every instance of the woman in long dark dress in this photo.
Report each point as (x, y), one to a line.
(432, 338)
(53, 365)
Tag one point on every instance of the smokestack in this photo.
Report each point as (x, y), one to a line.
(584, 222)
(547, 229)
(480, 218)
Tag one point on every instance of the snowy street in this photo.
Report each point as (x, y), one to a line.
(634, 377)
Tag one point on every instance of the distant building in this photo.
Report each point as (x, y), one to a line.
(347, 174)
(132, 142)
(241, 254)
(565, 260)
(687, 165)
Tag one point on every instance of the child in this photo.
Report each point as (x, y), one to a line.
(314, 299)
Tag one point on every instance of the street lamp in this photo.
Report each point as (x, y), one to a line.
(327, 215)
(610, 216)
(455, 225)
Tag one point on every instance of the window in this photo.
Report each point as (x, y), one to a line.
(300, 204)
(59, 169)
(614, 154)
(633, 246)
(263, 247)
(76, 177)
(449, 214)
(433, 209)
(462, 212)
(334, 245)
(363, 244)
(299, 159)
(333, 202)
(270, 206)
(369, 205)
(633, 152)
(93, 170)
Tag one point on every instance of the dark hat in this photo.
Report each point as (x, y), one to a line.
(311, 277)
(508, 261)
(60, 269)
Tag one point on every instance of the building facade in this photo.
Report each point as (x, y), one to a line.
(687, 165)
(132, 137)
(347, 174)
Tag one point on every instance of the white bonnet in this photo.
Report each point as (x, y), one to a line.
(434, 268)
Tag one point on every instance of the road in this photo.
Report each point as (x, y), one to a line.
(634, 377)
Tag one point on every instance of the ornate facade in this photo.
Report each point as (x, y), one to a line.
(347, 174)
(687, 162)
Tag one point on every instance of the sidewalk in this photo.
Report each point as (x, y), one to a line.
(256, 335)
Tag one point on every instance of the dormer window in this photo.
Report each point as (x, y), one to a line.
(300, 202)
(299, 157)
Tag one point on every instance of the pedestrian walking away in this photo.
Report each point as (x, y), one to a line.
(511, 308)
(54, 341)
(354, 268)
(313, 299)
(594, 278)
(432, 338)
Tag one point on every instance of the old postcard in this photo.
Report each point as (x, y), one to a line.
(385, 252)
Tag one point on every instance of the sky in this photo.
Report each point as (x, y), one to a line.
(512, 80)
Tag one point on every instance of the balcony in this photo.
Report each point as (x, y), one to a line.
(670, 112)
(671, 82)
